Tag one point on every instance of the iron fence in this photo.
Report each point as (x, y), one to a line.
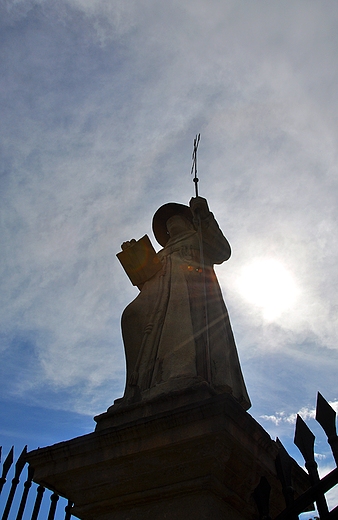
(17, 504)
(305, 442)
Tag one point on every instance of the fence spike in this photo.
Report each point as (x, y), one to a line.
(8, 461)
(20, 463)
(326, 416)
(284, 464)
(284, 469)
(6, 466)
(305, 442)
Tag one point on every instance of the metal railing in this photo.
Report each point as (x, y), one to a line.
(16, 504)
(305, 441)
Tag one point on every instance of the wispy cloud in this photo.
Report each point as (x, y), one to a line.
(101, 101)
(305, 413)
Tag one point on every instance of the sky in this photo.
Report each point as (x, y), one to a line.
(100, 103)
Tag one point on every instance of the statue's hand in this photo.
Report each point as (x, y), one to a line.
(199, 207)
(128, 244)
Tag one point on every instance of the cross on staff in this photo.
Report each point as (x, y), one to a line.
(194, 162)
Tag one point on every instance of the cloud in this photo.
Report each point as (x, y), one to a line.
(305, 413)
(101, 103)
(279, 417)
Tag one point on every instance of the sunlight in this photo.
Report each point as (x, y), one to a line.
(267, 284)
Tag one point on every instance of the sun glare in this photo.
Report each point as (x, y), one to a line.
(267, 284)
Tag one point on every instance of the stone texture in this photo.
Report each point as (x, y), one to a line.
(175, 458)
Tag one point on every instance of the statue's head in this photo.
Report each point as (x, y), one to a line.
(165, 225)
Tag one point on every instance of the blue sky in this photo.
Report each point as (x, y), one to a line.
(100, 102)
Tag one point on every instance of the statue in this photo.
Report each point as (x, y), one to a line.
(177, 331)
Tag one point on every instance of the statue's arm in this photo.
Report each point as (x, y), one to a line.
(216, 246)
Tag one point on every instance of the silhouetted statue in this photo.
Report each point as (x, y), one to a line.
(177, 331)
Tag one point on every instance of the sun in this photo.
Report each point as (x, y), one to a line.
(267, 284)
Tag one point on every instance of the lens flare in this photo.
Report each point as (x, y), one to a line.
(267, 284)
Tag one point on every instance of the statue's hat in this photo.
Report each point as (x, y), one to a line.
(161, 217)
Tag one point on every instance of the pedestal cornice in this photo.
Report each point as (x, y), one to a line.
(207, 455)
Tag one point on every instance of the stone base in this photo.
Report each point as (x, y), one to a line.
(123, 412)
(176, 458)
(202, 505)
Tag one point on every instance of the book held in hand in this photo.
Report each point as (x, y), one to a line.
(139, 260)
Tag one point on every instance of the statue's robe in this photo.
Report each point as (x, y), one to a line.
(177, 330)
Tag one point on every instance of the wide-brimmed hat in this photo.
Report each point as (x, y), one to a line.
(163, 214)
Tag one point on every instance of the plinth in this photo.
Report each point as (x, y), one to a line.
(191, 455)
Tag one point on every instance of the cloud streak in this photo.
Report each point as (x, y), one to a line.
(101, 101)
(305, 413)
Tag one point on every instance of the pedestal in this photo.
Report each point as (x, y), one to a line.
(186, 456)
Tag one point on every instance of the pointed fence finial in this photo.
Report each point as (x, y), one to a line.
(305, 442)
(19, 465)
(326, 416)
(284, 472)
(6, 466)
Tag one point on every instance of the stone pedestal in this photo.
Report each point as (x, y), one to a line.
(191, 455)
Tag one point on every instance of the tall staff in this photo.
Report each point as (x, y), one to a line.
(202, 264)
(194, 162)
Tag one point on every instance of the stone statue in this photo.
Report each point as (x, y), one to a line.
(177, 331)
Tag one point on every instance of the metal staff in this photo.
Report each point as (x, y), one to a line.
(194, 162)
(202, 263)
